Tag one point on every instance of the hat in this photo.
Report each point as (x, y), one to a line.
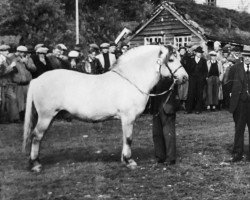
(59, 47)
(22, 49)
(30, 48)
(62, 46)
(246, 50)
(73, 54)
(182, 47)
(4, 47)
(199, 50)
(104, 45)
(42, 50)
(212, 53)
(113, 44)
(124, 45)
(38, 46)
(94, 46)
(225, 49)
(78, 47)
(236, 49)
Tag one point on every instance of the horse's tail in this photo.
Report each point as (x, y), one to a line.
(29, 118)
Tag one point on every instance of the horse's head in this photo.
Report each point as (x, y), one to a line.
(170, 64)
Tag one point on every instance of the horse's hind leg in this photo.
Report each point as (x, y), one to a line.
(41, 127)
(127, 128)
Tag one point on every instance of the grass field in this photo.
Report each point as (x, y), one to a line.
(82, 161)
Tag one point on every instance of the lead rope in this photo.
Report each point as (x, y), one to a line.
(145, 93)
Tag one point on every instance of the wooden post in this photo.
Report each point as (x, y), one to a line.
(77, 22)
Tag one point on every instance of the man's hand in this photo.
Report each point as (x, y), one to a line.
(13, 64)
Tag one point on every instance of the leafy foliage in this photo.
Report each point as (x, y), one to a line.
(221, 23)
(52, 22)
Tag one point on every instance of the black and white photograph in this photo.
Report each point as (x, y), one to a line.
(124, 99)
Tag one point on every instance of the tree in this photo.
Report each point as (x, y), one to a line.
(35, 20)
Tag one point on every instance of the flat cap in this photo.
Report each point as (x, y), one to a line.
(38, 46)
(105, 45)
(63, 47)
(246, 50)
(113, 44)
(22, 49)
(212, 53)
(73, 54)
(94, 46)
(4, 47)
(42, 50)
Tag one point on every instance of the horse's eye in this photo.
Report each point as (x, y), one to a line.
(170, 60)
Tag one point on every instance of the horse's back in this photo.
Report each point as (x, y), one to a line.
(82, 94)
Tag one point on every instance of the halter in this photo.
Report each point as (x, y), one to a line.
(160, 66)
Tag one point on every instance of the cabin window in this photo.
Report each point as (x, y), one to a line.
(182, 40)
(211, 2)
(153, 40)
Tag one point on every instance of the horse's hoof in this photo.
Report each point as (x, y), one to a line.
(35, 165)
(37, 168)
(131, 164)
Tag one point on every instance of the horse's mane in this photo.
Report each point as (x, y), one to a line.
(136, 52)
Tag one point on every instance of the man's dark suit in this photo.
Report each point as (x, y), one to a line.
(164, 116)
(240, 106)
(197, 73)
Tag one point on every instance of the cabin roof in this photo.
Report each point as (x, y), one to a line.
(200, 29)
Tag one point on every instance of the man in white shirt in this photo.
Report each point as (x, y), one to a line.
(106, 59)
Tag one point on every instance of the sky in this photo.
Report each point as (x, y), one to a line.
(230, 4)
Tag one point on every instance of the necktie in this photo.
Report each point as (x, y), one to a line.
(247, 68)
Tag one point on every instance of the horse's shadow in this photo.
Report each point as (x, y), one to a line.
(81, 154)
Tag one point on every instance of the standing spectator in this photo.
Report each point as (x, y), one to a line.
(57, 59)
(228, 62)
(236, 53)
(76, 63)
(124, 48)
(113, 49)
(164, 116)
(240, 103)
(21, 78)
(215, 75)
(183, 88)
(92, 64)
(106, 59)
(197, 71)
(41, 62)
(8, 100)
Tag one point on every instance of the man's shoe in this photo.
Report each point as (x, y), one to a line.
(236, 158)
(160, 161)
(171, 162)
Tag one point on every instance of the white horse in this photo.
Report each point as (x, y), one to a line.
(120, 93)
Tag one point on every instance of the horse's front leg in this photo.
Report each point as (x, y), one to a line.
(127, 128)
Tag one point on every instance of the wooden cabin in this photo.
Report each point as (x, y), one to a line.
(167, 26)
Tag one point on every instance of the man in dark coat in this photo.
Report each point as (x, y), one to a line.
(197, 72)
(240, 103)
(164, 115)
(41, 62)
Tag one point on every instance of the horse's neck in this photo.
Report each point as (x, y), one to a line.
(143, 79)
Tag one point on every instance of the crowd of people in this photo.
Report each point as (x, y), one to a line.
(20, 65)
(208, 85)
(207, 88)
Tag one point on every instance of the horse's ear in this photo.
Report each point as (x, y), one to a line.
(164, 53)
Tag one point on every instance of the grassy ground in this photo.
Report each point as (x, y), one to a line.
(82, 161)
